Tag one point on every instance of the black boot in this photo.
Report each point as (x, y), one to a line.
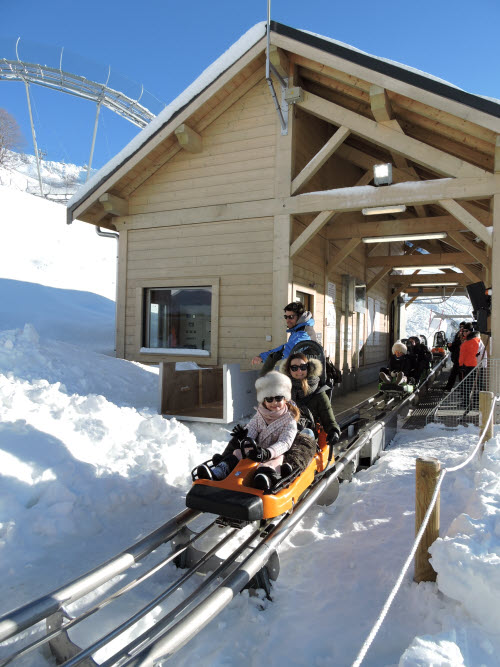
(265, 478)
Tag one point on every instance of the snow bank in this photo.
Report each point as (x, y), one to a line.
(467, 560)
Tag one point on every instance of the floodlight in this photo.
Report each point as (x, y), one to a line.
(382, 174)
(378, 210)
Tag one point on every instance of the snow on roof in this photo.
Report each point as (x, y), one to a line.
(211, 73)
(208, 76)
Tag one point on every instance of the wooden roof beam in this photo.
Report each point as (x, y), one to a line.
(280, 60)
(342, 254)
(315, 164)
(419, 259)
(467, 220)
(463, 242)
(471, 275)
(113, 205)
(428, 156)
(377, 278)
(380, 104)
(188, 139)
(405, 279)
(317, 224)
(441, 223)
(408, 303)
(424, 192)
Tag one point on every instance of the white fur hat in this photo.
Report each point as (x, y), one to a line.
(399, 347)
(273, 384)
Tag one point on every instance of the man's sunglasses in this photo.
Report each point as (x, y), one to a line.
(300, 367)
(270, 399)
(289, 317)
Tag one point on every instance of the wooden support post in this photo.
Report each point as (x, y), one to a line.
(485, 405)
(427, 473)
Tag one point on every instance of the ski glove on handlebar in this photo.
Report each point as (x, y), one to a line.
(333, 436)
(259, 454)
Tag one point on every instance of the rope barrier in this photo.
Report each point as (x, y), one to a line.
(373, 633)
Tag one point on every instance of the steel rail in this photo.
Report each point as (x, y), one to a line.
(132, 620)
(107, 600)
(158, 628)
(27, 615)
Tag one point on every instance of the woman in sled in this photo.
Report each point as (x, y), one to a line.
(315, 407)
(273, 428)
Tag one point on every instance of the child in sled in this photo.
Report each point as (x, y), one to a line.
(273, 428)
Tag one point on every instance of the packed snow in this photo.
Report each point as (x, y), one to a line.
(87, 467)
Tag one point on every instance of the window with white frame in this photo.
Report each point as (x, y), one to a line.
(177, 320)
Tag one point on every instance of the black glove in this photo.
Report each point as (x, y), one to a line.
(216, 459)
(333, 436)
(259, 454)
(239, 432)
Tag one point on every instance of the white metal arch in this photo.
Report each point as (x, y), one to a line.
(59, 80)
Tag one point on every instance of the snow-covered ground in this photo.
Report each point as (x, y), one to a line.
(87, 467)
(427, 318)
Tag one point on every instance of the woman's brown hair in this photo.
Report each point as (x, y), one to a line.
(287, 371)
(293, 410)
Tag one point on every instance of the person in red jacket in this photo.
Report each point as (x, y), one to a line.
(469, 349)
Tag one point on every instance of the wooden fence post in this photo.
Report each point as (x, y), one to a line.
(485, 405)
(427, 473)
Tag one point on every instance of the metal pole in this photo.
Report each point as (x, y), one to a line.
(34, 137)
(93, 140)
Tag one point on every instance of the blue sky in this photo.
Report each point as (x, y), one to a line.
(165, 45)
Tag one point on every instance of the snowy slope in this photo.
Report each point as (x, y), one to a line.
(425, 318)
(87, 467)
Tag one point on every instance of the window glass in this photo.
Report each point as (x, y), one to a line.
(178, 318)
(306, 299)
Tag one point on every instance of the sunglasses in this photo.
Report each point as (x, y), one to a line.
(289, 317)
(270, 399)
(299, 367)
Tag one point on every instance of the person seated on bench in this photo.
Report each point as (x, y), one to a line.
(399, 366)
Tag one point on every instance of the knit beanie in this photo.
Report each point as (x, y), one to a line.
(273, 384)
(399, 347)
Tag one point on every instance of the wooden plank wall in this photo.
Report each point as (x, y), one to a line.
(239, 252)
(235, 165)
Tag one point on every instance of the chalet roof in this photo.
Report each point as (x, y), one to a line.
(237, 51)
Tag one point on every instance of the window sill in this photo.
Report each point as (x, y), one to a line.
(179, 352)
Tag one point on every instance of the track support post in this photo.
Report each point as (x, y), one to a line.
(427, 473)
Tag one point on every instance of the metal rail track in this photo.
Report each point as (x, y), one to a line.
(249, 556)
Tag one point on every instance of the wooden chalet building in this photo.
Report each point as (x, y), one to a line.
(226, 212)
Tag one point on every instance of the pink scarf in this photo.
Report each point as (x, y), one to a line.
(270, 416)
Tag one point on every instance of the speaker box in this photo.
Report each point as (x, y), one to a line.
(478, 297)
